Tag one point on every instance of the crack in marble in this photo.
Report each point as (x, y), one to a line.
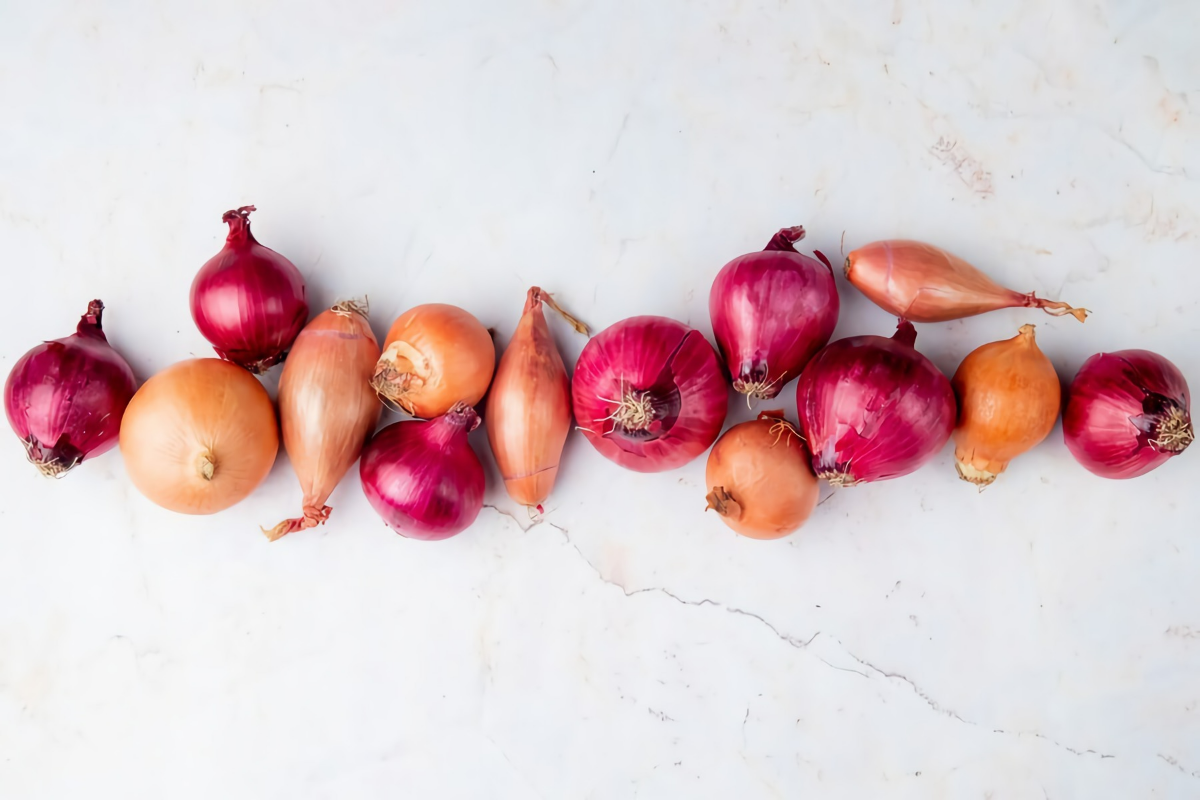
(1174, 762)
(802, 644)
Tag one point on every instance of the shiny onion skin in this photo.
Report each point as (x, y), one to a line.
(529, 406)
(247, 300)
(771, 312)
(64, 399)
(649, 393)
(1127, 413)
(759, 480)
(873, 408)
(1008, 399)
(422, 476)
(327, 408)
(435, 356)
(923, 283)
(199, 436)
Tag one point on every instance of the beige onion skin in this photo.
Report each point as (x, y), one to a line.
(327, 407)
(759, 478)
(528, 411)
(199, 436)
(1008, 400)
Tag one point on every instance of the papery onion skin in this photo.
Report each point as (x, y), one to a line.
(873, 408)
(422, 476)
(1008, 400)
(64, 399)
(771, 312)
(199, 436)
(759, 478)
(327, 408)
(1127, 413)
(923, 283)
(248, 301)
(434, 356)
(529, 406)
(649, 393)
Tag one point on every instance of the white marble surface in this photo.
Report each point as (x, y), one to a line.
(915, 640)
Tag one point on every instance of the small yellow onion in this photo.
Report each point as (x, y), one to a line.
(434, 356)
(327, 408)
(1008, 399)
(199, 436)
(529, 407)
(759, 479)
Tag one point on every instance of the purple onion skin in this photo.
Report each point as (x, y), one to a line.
(771, 312)
(65, 399)
(249, 301)
(1127, 413)
(423, 478)
(873, 408)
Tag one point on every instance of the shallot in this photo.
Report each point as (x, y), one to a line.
(1008, 399)
(529, 406)
(326, 406)
(923, 283)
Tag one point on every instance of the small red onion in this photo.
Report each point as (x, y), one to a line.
(1127, 413)
(771, 312)
(873, 408)
(422, 477)
(248, 300)
(649, 394)
(65, 398)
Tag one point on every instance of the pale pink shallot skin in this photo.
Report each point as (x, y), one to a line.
(923, 283)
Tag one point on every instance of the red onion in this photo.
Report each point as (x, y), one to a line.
(248, 300)
(771, 311)
(65, 398)
(422, 477)
(649, 394)
(873, 408)
(1127, 413)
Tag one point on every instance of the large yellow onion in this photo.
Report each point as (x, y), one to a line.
(199, 436)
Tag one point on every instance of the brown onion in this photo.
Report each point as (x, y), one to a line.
(1008, 399)
(199, 436)
(435, 356)
(759, 479)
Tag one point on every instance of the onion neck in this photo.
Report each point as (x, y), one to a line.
(905, 333)
(784, 239)
(89, 323)
(460, 419)
(239, 226)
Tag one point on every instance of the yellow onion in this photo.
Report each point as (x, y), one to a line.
(434, 356)
(327, 408)
(529, 408)
(199, 436)
(759, 479)
(1008, 400)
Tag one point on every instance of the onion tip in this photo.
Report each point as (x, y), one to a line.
(979, 477)
(313, 517)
